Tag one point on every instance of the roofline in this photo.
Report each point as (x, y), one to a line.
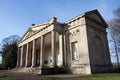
(79, 16)
(24, 34)
(36, 25)
(99, 16)
(84, 14)
(49, 22)
(69, 21)
(75, 18)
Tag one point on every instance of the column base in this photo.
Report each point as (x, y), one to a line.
(32, 66)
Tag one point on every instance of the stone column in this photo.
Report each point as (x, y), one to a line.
(64, 47)
(18, 58)
(41, 50)
(54, 48)
(33, 54)
(61, 48)
(27, 55)
(21, 61)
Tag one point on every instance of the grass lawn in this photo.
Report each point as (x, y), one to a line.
(113, 76)
(4, 77)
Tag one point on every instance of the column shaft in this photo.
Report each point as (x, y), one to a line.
(27, 54)
(21, 62)
(54, 48)
(61, 48)
(64, 56)
(18, 58)
(33, 54)
(41, 50)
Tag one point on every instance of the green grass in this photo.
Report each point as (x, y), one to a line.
(114, 76)
(4, 77)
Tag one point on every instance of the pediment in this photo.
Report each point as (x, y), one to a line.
(32, 30)
(29, 33)
(95, 15)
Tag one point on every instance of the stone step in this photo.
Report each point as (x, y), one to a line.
(28, 70)
(38, 70)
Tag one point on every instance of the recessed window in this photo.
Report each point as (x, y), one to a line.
(75, 55)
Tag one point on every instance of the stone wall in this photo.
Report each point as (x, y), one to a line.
(98, 47)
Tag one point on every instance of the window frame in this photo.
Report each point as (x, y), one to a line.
(74, 51)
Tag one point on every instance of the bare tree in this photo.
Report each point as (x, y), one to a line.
(114, 27)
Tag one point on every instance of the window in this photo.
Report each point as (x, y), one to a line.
(75, 55)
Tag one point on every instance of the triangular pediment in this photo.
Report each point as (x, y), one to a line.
(32, 30)
(95, 15)
(28, 34)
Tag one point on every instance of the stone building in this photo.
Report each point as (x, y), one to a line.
(78, 46)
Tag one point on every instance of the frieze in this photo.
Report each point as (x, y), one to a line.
(75, 32)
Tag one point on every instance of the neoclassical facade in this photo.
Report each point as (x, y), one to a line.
(78, 46)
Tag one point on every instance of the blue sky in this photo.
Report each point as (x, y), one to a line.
(17, 15)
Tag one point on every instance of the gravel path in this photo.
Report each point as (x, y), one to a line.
(27, 76)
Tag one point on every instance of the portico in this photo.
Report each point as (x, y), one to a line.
(40, 49)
